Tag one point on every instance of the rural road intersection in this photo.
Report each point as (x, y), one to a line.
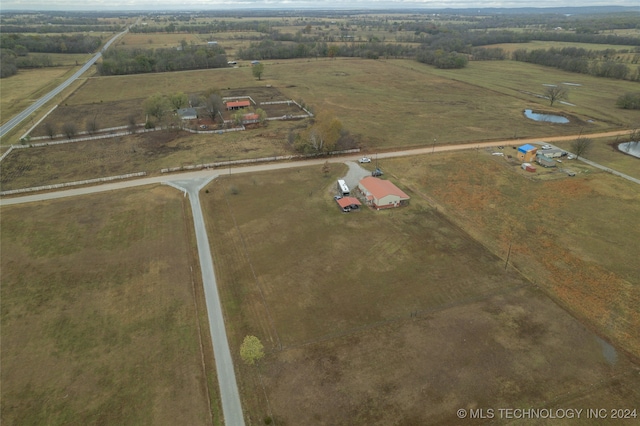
(231, 407)
(191, 183)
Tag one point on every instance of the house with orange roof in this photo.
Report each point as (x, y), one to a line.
(235, 105)
(382, 194)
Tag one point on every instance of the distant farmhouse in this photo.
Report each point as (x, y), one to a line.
(382, 194)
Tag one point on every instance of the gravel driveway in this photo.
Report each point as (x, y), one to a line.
(355, 174)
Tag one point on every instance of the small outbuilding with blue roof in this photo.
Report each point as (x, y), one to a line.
(527, 153)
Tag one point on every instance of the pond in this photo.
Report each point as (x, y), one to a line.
(550, 118)
(631, 148)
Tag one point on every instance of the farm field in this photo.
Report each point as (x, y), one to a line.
(24, 88)
(399, 316)
(428, 106)
(143, 152)
(574, 237)
(99, 317)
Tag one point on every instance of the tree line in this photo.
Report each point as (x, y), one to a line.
(76, 43)
(572, 59)
(186, 57)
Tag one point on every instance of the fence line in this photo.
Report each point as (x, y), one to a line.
(68, 184)
(39, 121)
(61, 135)
(230, 98)
(6, 153)
(253, 160)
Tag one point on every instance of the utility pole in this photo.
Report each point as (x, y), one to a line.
(434, 146)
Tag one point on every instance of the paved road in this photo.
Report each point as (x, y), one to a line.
(17, 119)
(229, 395)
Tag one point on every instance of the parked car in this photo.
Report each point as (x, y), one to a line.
(365, 160)
(571, 157)
(337, 197)
(500, 154)
(571, 173)
(547, 146)
(559, 160)
(377, 172)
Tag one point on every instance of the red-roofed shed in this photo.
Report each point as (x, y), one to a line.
(349, 203)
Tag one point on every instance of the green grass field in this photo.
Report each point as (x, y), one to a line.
(99, 320)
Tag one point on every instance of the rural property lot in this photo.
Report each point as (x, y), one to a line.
(394, 317)
(99, 317)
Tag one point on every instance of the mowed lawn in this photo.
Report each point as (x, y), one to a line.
(99, 318)
(392, 317)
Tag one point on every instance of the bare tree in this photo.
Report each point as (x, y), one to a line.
(69, 130)
(195, 100)
(50, 129)
(556, 92)
(92, 125)
(132, 126)
(213, 105)
(581, 145)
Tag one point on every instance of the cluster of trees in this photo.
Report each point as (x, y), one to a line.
(629, 101)
(442, 59)
(136, 61)
(10, 62)
(578, 60)
(23, 44)
(325, 134)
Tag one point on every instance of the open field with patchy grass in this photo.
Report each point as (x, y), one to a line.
(99, 317)
(481, 102)
(21, 90)
(143, 152)
(395, 317)
(477, 104)
(575, 237)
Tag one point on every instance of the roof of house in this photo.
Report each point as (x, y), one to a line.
(187, 112)
(251, 116)
(526, 148)
(381, 188)
(348, 201)
(232, 104)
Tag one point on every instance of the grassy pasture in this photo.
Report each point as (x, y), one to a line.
(480, 103)
(99, 320)
(574, 237)
(148, 152)
(537, 44)
(21, 90)
(156, 40)
(331, 296)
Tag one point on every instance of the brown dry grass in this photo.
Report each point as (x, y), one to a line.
(574, 237)
(99, 322)
(331, 295)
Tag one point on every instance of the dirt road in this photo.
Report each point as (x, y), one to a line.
(284, 165)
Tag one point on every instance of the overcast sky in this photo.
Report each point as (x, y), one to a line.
(293, 4)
